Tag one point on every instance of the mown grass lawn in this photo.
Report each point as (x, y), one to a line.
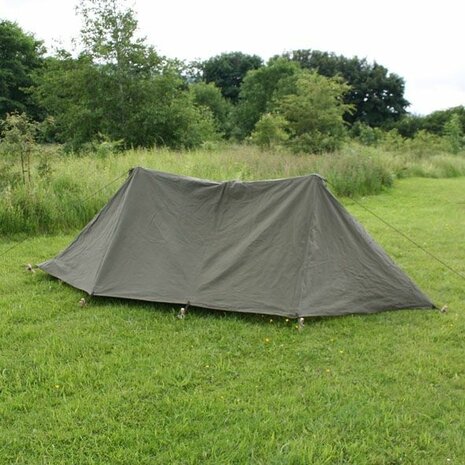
(121, 382)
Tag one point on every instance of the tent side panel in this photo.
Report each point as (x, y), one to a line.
(235, 246)
(347, 271)
(254, 258)
(79, 263)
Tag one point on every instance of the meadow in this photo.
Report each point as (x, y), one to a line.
(66, 191)
(124, 382)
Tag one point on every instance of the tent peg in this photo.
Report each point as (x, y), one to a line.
(301, 323)
(183, 311)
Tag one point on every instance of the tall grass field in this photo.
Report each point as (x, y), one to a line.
(66, 191)
(124, 382)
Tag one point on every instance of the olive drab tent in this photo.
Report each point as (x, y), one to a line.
(280, 247)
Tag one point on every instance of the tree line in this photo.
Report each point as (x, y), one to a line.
(116, 87)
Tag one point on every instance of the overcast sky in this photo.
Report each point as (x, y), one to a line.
(419, 40)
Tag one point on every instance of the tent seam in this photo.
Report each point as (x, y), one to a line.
(304, 259)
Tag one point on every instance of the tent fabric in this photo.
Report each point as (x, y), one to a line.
(281, 247)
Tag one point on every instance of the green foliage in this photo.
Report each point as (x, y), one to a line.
(69, 190)
(311, 104)
(210, 97)
(424, 144)
(117, 85)
(170, 116)
(120, 87)
(270, 131)
(227, 71)
(407, 126)
(71, 90)
(162, 111)
(376, 95)
(435, 122)
(18, 145)
(108, 35)
(453, 133)
(361, 175)
(20, 55)
(393, 141)
(315, 113)
(257, 93)
(44, 166)
(365, 134)
(102, 146)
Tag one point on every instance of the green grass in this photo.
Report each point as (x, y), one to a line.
(77, 187)
(120, 382)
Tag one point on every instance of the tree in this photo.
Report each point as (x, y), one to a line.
(169, 115)
(407, 126)
(109, 38)
(227, 71)
(119, 87)
(257, 91)
(376, 94)
(209, 96)
(315, 112)
(435, 122)
(160, 111)
(73, 92)
(20, 55)
(270, 131)
(108, 34)
(282, 98)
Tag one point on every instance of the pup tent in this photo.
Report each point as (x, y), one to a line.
(280, 247)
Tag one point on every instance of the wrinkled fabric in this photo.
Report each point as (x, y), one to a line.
(282, 247)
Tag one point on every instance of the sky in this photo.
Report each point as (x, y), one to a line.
(421, 41)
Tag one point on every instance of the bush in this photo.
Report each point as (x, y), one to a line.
(18, 145)
(453, 134)
(366, 135)
(425, 144)
(270, 131)
(314, 111)
(209, 96)
(392, 141)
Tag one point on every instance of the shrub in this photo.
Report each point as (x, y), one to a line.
(393, 141)
(270, 131)
(424, 144)
(314, 111)
(209, 96)
(366, 135)
(18, 144)
(453, 134)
